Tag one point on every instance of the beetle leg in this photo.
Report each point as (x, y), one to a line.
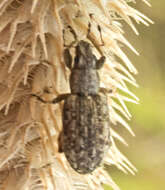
(105, 90)
(54, 101)
(60, 145)
(68, 58)
(99, 29)
(74, 35)
(100, 62)
(60, 98)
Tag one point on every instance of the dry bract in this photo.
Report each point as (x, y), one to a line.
(31, 31)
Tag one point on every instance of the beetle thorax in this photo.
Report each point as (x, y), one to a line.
(84, 82)
(84, 79)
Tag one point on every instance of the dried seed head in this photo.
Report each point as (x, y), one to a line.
(31, 31)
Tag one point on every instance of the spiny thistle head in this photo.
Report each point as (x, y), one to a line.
(32, 31)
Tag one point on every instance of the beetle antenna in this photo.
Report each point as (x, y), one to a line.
(98, 27)
(74, 35)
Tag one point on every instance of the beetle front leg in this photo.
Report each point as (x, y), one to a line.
(100, 62)
(68, 58)
(54, 101)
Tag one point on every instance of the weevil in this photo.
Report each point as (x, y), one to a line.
(85, 136)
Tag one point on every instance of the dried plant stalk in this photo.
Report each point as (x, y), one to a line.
(31, 31)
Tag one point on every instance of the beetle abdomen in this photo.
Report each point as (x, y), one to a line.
(85, 131)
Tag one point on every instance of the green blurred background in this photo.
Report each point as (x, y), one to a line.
(147, 150)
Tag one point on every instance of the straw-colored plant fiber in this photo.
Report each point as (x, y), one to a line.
(32, 31)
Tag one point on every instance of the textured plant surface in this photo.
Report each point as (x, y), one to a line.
(30, 32)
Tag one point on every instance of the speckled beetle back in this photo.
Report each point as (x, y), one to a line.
(85, 131)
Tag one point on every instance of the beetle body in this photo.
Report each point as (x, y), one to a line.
(85, 137)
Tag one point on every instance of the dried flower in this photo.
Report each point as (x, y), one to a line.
(31, 31)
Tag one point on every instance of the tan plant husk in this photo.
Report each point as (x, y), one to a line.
(30, 32)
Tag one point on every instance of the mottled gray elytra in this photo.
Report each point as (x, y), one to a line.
(85, 137)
